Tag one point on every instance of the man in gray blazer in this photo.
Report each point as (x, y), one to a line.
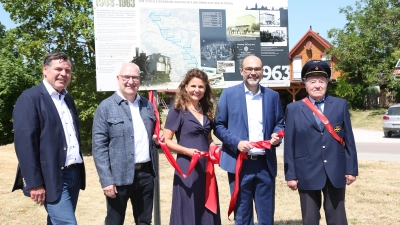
(123, 143)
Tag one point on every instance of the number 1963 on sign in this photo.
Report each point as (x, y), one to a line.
(276, 73)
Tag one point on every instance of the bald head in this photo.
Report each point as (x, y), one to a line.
(128, 65)
(251, 59)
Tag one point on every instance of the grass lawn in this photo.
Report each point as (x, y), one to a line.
(367, 119)
(372, 199)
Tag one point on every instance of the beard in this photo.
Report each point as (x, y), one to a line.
(253, 82)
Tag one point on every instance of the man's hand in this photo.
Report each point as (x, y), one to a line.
(110, 191)
(275, 139)
(350, 179)
(38, 194)
(292, 184)
(155, 139)
(244, 146)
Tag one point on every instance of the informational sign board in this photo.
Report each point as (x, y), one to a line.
(166, 38)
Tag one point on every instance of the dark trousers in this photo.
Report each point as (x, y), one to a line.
(256, 183)
(141, 195)
(310, 202)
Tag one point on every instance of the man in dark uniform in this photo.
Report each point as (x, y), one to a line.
(318, 159)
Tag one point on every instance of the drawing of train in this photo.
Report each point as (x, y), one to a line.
(155, 68)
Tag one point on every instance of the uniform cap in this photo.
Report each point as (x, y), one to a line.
(316, 67)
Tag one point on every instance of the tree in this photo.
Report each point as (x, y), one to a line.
(13, 80)
(366, 47)
(50, 25)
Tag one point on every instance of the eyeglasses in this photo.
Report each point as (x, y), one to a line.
(248, 70)
(126, 78)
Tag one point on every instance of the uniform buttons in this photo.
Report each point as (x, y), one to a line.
(65, 148)
(322, 133)
(131, 136)
(323, 146)
(132, 154)
(325, 161)
(62, 168)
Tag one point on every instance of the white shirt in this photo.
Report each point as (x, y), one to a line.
(254, 119)
(141, 148)
(73, 155)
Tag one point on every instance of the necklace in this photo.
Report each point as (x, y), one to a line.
(194, 109)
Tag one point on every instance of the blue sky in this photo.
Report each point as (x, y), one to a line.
(321, 15)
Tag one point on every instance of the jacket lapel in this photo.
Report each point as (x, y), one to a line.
(309, 115)
(242, 104)
(49, 104)
(328, 106)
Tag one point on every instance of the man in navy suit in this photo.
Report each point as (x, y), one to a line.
(248, 113)
(314, 160)
(46, 138)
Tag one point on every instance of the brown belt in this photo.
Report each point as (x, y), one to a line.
(139, 166)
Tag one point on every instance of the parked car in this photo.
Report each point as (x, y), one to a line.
(391, 121)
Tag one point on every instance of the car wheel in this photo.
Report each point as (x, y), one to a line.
(387, 134)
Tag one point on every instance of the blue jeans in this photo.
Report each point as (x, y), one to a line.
(62, 211)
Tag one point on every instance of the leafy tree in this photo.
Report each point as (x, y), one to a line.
(13, 80)
(367, 47)
(55, 25)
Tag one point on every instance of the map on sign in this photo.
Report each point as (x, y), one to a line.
(173, 33)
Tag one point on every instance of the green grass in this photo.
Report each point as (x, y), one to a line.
(367, 119)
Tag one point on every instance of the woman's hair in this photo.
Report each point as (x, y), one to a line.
(207, 102)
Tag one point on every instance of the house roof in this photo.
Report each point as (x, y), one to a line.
(315, 36)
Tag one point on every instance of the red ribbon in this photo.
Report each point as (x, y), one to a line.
(164, 147)
(239, 161)
(213, 157)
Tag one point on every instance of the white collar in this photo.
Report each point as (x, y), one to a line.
(53, 91)
(122, 96)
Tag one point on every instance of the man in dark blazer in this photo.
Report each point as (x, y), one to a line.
(248, 113)
(46, 138)
(314, 160)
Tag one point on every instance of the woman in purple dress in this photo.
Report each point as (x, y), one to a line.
(190, 121)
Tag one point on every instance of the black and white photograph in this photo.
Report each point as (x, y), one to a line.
(216, 50)
(225, 66)
(273, 36)
(154, 68)
(270, 18)
(216, 79)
